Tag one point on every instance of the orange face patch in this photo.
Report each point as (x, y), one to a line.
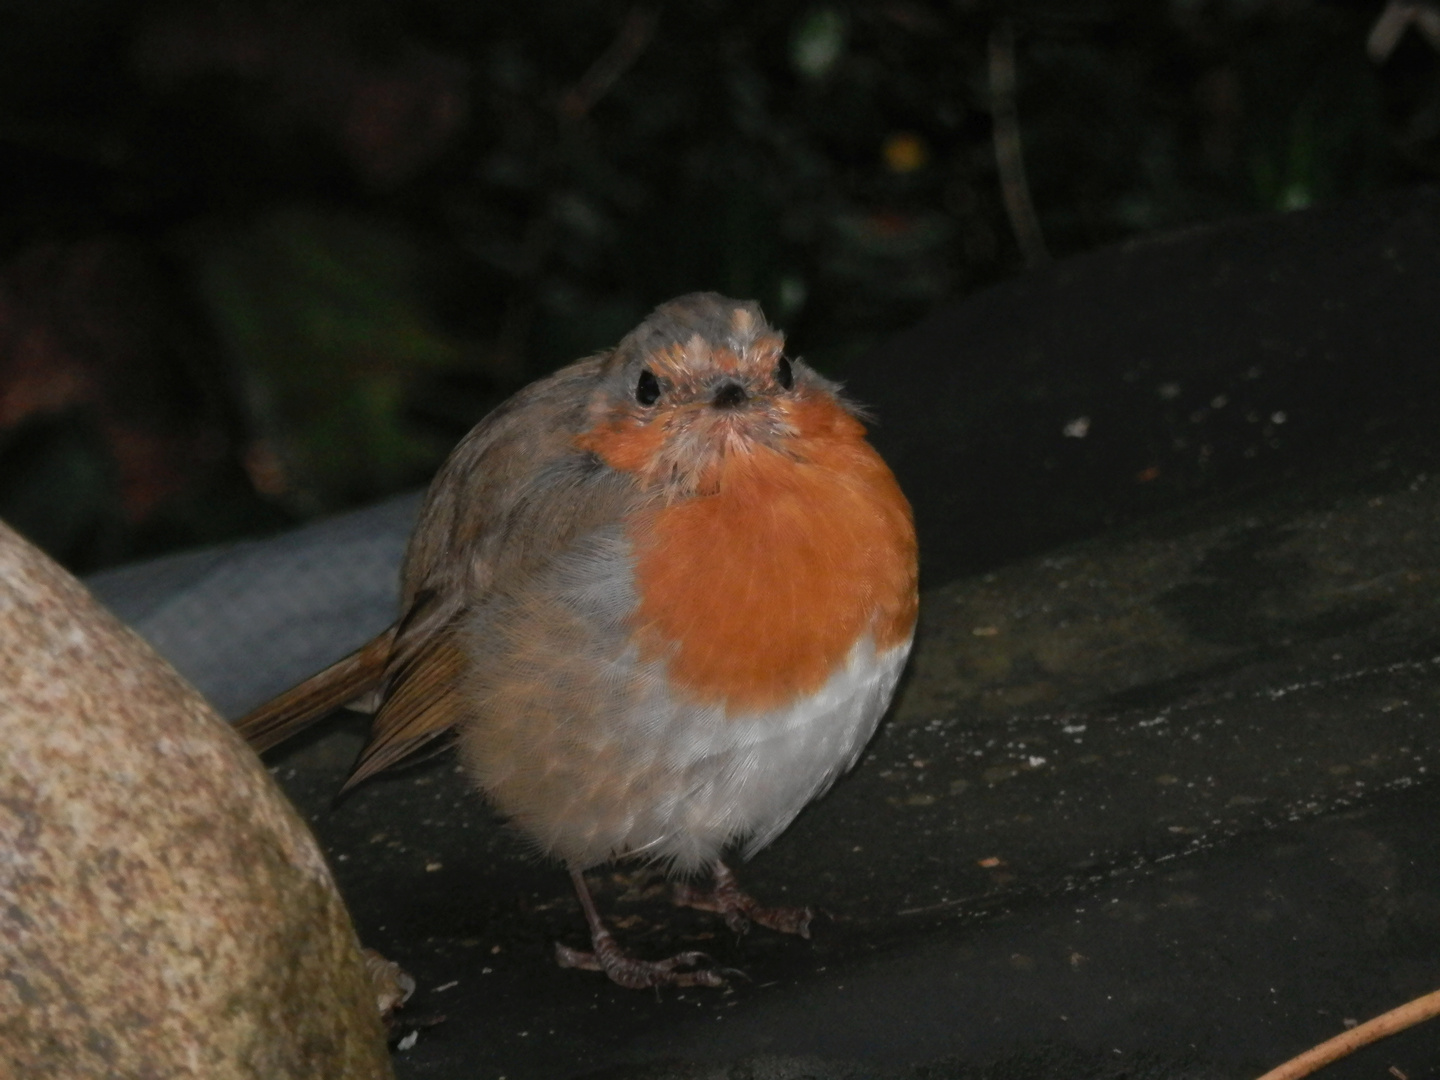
(679, 442)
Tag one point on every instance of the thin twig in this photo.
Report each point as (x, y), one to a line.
(1009, 156)
(1347, 1042)
(605, 72)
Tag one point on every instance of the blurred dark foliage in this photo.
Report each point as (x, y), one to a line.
(261, 261)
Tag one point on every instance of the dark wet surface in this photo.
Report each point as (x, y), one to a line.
(1216, 964)
(1159, 801)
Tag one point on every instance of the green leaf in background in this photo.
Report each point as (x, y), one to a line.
(819, 42)
(325, 322)
(1316, 131)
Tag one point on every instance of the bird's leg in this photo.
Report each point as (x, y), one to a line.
(740, 909)
(624, 969)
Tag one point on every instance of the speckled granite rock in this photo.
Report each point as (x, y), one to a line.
(164, 912)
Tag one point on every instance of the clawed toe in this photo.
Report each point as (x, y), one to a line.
(682, 969)
(687, 968)
(740, 909)
(785, 920)
(635, 974)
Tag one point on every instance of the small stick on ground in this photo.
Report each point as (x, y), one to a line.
(1347, 1042)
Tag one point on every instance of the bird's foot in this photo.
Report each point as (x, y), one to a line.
(682, 969)
(740, 909)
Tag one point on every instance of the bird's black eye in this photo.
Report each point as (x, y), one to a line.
(647, 388)
(784, 373)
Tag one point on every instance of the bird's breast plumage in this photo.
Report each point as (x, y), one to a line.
(783, 605)
(755, 594)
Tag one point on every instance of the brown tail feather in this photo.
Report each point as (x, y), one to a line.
(296, 709)
(422, 704)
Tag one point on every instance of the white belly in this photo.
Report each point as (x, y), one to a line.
(753, 774)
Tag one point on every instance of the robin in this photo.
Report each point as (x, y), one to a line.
(660, 599)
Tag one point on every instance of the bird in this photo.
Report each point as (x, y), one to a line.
(659, 601)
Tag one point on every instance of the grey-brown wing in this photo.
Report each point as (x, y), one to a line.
(488, 524)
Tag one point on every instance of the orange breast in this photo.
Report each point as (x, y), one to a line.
(756, 593)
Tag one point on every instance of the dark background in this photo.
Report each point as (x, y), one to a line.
(261, 261)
